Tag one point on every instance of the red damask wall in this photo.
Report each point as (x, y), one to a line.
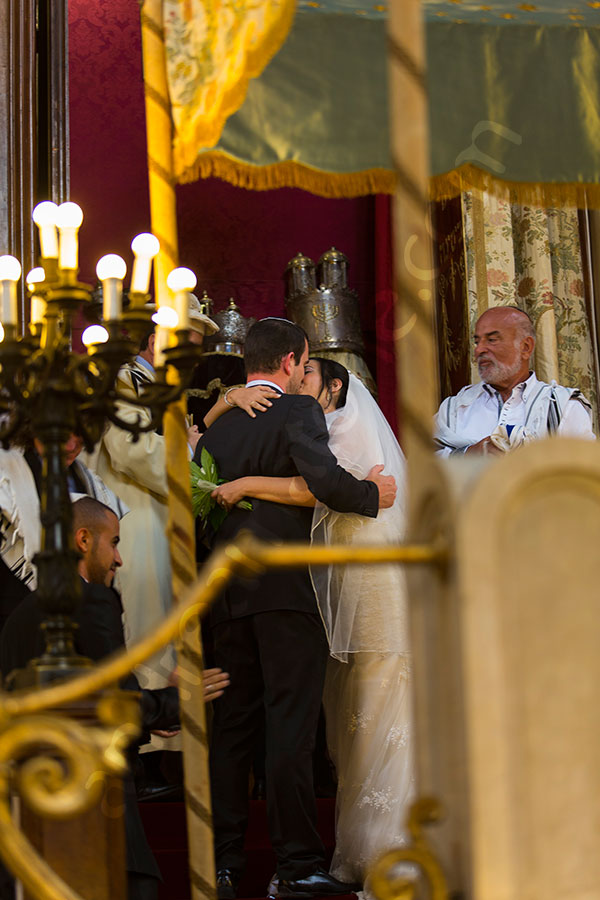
(238, 242)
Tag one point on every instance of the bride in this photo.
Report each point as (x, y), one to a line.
(367, 696)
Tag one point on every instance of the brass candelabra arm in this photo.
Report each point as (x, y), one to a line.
(58, 393)
(135, 426)
(155, 396)
(184, 357)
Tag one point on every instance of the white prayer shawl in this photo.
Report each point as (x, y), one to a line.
(95, 487)
(544, 408)
(20, 506)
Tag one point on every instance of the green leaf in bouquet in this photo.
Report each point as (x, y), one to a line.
(217, 516)
(204, 479)
(201, 490)
(195, 470)
(208, 465)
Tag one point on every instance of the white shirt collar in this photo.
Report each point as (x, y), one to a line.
(266, 381)
(525, 387)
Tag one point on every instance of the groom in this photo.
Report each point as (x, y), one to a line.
(267, 632)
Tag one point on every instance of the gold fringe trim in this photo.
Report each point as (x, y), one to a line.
(544, 194)
(216, 164)
(206, 131)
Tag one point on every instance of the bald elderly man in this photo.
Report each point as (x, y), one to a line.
(509, 405)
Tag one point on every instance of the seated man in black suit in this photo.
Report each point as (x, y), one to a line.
(100, 633)
(267, 631)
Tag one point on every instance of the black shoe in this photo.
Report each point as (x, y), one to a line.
(319, 884)
(227, 884)
(259, 791)
(164, 793)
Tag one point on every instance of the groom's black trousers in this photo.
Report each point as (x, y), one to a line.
(276, 659)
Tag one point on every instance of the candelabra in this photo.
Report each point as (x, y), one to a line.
(57, 392)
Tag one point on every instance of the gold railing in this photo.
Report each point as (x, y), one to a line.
(29, 732)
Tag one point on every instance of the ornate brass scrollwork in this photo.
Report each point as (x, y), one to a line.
(58, 765)
(388, 877)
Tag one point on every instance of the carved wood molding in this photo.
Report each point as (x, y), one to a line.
(33, 145)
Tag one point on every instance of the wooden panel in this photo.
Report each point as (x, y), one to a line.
(95, 866)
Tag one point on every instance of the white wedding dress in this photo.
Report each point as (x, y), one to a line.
(367, 696)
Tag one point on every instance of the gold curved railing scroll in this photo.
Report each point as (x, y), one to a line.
(246, 556)
(388, 878)
(89, 753)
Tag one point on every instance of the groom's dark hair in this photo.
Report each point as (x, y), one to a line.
(269, 340)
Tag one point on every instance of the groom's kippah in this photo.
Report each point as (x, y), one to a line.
(269, 340)
(286, 322)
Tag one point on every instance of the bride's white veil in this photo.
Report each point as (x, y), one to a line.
(363, 607)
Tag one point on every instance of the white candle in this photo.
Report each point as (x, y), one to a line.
(182, 308)
(181, 281)
(145, 247)
(10, 272)
(38, 304)
(140, 276)
(67, 255)
(8, 307)
(166, 321)
(45, 217)
(112, 293)
(69, 218)
(111, 270)
(38, 309)
(163, 340)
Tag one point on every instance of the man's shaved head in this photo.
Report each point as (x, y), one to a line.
(90, 513)
(96, 531)
(510, 315)
(521, 319)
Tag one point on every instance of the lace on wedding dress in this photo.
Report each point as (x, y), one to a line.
(367, 696)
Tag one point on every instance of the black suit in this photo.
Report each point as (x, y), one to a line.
(99, 634)
(268, 634)
(12, 592)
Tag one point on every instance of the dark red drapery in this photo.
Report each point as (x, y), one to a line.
(238, 242)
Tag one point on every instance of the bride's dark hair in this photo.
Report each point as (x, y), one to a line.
(329, 371)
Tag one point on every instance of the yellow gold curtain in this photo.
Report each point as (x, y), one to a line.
(213, 48)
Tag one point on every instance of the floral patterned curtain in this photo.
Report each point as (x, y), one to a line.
(531, 257)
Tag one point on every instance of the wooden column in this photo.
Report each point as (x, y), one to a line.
(434, 605)
(53, 100)
(34, 113)
(416, 349)
(180, 528)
